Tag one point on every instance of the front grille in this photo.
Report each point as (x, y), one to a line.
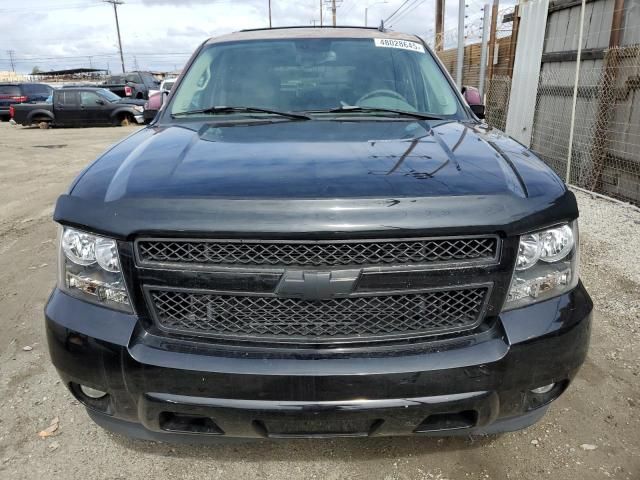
(317, 253)
(269, 317)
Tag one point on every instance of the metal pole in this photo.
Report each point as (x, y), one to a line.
(333, 11)
(460, 44)
(13, 65)
(439, 24)
(365, 16)
(575, 93)
(269, 13)
(321, 13)
(485, 47)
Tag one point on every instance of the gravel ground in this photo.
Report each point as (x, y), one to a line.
(592, 432)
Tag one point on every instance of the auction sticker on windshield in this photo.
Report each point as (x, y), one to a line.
(404, 44)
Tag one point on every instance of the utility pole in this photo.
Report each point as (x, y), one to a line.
(439, 25)
(13, 65)
(492, 39)
(485, 46)
(321, 12)
(269, 13)
(460, 66)
(115, 4)
(333, 11)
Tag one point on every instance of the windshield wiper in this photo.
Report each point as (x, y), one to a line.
(225, 109)
(357, 109)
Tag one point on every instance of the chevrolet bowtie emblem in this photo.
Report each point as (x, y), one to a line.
(312, 285)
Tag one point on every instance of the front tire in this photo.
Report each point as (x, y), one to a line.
(125, 120)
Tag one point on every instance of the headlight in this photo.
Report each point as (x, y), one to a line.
(139, 108)
(547, 265)
(90, 269)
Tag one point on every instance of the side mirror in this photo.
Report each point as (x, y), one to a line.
(474, 100)
(164, 94)
(478, 111)
(100, 102)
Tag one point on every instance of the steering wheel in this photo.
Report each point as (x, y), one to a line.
(381, 93)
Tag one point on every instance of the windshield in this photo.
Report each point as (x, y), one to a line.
(13, 90)
(108, 95)
(307, 75)
(115, 79)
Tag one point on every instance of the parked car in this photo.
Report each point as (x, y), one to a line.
(317, 237)
(14, 93)
(80, 106)
(153, 105)
(167, 84)
(132, 84)
(156, 99)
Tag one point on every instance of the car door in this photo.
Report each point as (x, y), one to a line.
(93, 109)
(66, 107)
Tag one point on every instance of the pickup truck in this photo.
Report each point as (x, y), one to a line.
(133, 84)
(316, 237)
(80, 106)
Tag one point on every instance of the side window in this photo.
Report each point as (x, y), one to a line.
(134, 78)
(68, 99)
(149, 80)
(89, 99)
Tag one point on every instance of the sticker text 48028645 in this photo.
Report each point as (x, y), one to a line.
(403, 44)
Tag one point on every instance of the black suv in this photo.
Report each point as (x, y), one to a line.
(317, 237)
(13, 93)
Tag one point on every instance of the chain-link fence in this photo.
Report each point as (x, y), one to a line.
(605, 156)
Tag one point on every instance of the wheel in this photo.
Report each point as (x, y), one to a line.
(125, 120)
(44, 124)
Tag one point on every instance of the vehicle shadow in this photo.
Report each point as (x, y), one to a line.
(308, 449)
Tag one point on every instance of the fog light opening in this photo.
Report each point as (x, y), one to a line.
(93, 393)
(544, 389)
(92, 398)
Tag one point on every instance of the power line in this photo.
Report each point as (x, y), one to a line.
(408, 10)
(396, 11)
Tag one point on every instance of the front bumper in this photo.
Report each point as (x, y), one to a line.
(139, 118)
(178, 390)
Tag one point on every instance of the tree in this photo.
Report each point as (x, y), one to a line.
(35, 70)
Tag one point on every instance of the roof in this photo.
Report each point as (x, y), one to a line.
(310, 32)
(82, 87)
(70, 71)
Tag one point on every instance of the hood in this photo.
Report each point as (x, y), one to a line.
(131, 101)
(425, 162)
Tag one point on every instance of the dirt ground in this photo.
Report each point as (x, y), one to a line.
(592, 432)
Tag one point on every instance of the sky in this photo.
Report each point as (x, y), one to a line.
(162, 34)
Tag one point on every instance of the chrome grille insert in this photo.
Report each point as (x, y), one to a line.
(285, 253)
(355, 318)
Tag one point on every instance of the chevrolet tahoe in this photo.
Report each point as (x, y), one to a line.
(316, 236)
